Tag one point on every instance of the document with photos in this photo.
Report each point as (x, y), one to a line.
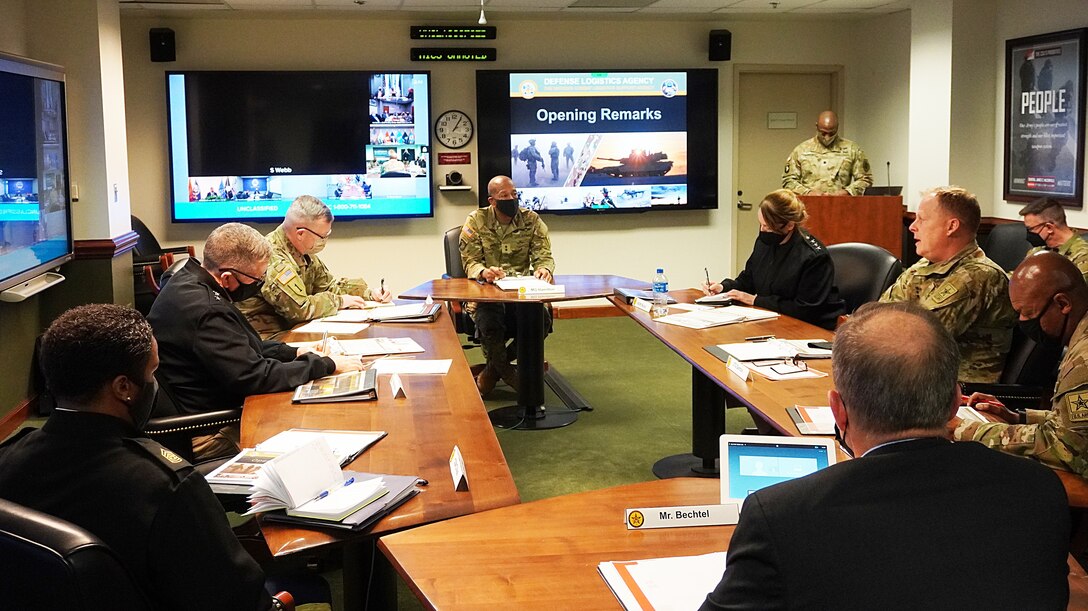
(353, 386)
(680, 583)
(241, 471)
(705, 319)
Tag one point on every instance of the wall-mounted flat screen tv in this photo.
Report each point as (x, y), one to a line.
(243, 145)
(35, 223)
(601, 142)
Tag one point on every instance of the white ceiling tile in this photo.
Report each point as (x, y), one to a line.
(694, 5)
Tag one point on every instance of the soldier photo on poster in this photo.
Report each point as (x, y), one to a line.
(1044, 115)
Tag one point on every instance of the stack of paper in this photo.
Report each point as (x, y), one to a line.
(514, 283)
(307, 482)
(371, 346)
(351, 386)
(242, 470)
(775, 349)
(704, 319)
(818, 420)
(322, 326)
(664, 584)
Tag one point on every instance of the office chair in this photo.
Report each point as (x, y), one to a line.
(1006, 245)
(462, 322)
(145, 256)
(1028, 378)
(862, 272)
(53, 564)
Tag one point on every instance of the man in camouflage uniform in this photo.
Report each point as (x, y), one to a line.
(495, 242)
(298, 287)
(827, 164)
(955, 280)
(1051, 297)
(1044, 220)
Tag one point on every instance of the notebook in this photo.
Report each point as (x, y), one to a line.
(752, 462)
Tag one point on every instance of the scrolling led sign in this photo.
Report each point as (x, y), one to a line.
(466, 54)
(443, 32)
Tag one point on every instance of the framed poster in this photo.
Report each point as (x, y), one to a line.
(1044, 117)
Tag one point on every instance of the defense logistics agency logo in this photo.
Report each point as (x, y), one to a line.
(636, 519)
(528, 89)
(170, 456)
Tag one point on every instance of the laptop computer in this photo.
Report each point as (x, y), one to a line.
(751, 462)
(884, 190)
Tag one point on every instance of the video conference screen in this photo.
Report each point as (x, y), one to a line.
(243, 145)
(602, 141)
(35, 228)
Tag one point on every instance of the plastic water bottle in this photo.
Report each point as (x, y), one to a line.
(661, 293)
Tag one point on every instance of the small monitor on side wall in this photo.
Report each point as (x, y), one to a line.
(601, 142)
(35, 223)
(243, 145)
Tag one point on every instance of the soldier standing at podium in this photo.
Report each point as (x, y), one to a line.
(827, 164)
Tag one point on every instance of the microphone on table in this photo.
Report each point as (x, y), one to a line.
(889, 173)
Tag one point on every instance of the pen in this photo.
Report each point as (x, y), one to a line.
(325, 340)
(759, 338)
(350, 481)
(383, 286)
(707, 272)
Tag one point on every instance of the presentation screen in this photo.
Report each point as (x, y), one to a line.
(243, 145)
(35, 225)
(598, 142)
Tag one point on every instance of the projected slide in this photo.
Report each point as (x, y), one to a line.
(599, 140)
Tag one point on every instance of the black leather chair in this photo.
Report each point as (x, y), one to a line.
(862, 272)
(147, 256)
(1007, 244)
(1028, 377)
(451, 246)
(49, 563)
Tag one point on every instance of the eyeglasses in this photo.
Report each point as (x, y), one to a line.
(256, 280)
(323, 237)
(1032, 228)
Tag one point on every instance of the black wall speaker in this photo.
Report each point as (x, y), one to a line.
(162, 45)
(721, 44)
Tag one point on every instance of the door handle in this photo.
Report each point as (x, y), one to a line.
(741, 204)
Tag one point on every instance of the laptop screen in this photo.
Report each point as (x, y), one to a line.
(753, 465)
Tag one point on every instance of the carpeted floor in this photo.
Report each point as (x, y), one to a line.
(640, 392)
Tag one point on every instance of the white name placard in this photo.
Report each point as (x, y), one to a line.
(683, 515)
(738, 368)
(641, 304)
(457, 470)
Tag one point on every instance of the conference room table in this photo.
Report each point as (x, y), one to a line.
(714, 386)
(544, 554)
(438, 412)
(529, 413)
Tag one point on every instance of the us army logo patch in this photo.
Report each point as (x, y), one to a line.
(943, 293)
(170, 456)
(1078, 407)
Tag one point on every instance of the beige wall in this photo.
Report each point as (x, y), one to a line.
(408, 252)
(13, 16)
(1016, 19)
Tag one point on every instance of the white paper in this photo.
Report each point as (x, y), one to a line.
(357, 314)
(342, 443)
(819, 420)
(768, 372)
(713, 317)
(320, 326)
(757, 351)
(372, 346)
(669, 584)
(691, 307)
(413, 366)
(296, 477)
(970, 414)
(513, 283)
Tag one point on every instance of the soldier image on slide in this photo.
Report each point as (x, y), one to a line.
(531, 156)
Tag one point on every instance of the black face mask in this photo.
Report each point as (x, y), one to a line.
(245, 291)
(142, 405)
(839, 437)
(770, 238)
(508, 207)
(1033, 329)
(1035, 239)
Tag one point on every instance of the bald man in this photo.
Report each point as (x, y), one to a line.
(502, 240)
(1051, 297)
(827, 164)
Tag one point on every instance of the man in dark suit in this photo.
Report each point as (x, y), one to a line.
(916, 521)
(211, 357)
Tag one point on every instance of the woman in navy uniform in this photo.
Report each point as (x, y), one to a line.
(789, 271)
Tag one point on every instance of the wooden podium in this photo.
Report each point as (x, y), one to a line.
(873, 219)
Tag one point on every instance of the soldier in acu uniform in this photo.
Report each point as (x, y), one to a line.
(955, 280)
(1044, 220)
(90, 465)
(298, 287)
(1051, 297)
(827, 164)
(495, 242)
